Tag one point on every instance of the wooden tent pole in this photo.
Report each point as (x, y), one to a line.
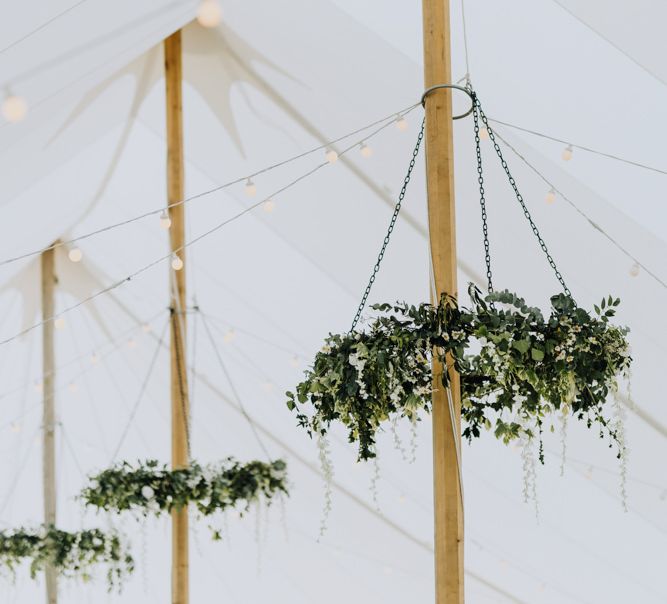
(180, 405)
(448, 507)
(49, 412)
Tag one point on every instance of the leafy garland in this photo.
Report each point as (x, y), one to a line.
(153, 488)
(516, 366)
(71, 554)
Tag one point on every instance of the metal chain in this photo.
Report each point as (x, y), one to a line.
(482, 198)
(519, 197)
(392, 223)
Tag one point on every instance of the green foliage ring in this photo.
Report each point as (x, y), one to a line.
(516, 366)
(152, 488)
(72, 554)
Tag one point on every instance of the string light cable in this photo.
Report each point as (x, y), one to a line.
(112, 341)
(43, 25)
(581, 147)
(203, 235)
(385, 121)
(140, 396)
(579, 211)
(235, 393)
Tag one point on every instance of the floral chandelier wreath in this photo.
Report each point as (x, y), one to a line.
(518, 367)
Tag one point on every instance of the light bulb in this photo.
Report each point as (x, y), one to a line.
(229, 336)
(59, 323)
(146, 327)
(401, 499)
(75, 254)
(551, 196)
(401, 123)
(365, 150)
(39, 387)
(94, 359)
(165, 221)
(14, 108)
(209, 13)
(267, 387)
(176, 262)
(567, 153)
(269, 205)
(634, 270)
(331, 156)
(484, 133)
(72, 387)
(294, 361)
(131, 343)
(16, 427)
(250, 188)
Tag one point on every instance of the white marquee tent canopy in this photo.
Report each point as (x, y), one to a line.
(274, 80)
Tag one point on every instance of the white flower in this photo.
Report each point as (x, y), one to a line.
(396, 394)
(147, 492)
(423, 390)
(356, 362)
(278, 474)
(326, 349)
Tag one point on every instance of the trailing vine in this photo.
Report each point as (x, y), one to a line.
(152, 488)
(517, 367)
(71, 554)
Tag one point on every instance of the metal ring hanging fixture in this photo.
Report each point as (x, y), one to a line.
(452, 87)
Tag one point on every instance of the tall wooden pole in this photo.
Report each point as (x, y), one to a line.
(49, 412)
(442, 226)
(180, 405)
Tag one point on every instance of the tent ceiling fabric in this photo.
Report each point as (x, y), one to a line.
(262, 87)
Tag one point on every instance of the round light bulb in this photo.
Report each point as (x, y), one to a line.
(75, 254)
(131, 343)
(365, 150)
(401, 123)
(73, 387)
(165, 221)
(14, 108)
(59, 323)
(39, 387)
(94, 359)
(16, 427)
(176, 263)
(567, 153)
(294, 361)
(267, 387)
(209, 13)
(269, 205)
(331, 156)
(229, 336)
(484, 133)
(634, 270)
(250, 188)
(146, 327)
(551, 196)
